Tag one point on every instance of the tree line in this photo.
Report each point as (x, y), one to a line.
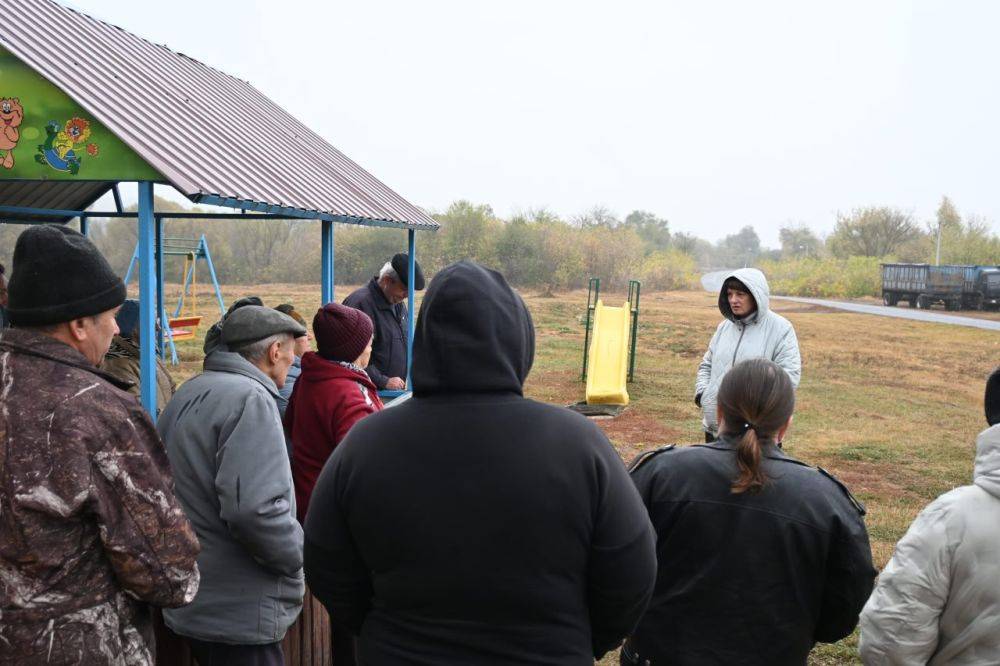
(538, 249)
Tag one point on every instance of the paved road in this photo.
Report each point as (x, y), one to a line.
(713, 282)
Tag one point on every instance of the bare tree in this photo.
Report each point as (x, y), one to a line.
(875, 231)
(799, 241)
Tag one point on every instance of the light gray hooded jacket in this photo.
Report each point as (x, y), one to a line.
(227, 450)
(938, 599)
(764, 334)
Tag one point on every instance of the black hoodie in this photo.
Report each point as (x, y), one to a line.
(471, 525)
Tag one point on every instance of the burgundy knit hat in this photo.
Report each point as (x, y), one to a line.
(341, 332)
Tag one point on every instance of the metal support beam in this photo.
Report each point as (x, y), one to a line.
(160, 309)
(131, 264)
(326, 263)
(409, 304)
(203, 247)
(60, 212)
(147, 298)
(84, 225)
(118, 198)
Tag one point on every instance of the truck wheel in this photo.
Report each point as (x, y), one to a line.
(912, 301)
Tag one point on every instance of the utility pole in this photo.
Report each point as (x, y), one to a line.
(937, 257)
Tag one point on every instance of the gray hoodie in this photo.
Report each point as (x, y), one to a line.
(226, 447)
(763, 334)
(938, 600)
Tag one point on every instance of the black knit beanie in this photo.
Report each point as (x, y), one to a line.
(58, 275)
(992, 399)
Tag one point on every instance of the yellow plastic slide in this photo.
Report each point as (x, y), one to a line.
(607, 364)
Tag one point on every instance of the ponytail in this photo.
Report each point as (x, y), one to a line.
(756, 399)
(748, 460)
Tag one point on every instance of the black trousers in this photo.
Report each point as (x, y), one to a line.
(222, 654)
(343, 645)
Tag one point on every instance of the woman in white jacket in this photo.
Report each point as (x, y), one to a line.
(938, 599)
(749, 329)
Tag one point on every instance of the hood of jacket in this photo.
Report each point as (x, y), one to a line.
(316, 369)
(759, 289)
(987, 470)
(473, 334)
(231, 362)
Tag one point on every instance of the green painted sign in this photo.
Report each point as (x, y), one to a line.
(45, 135)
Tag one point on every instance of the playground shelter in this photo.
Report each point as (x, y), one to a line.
(88, 106)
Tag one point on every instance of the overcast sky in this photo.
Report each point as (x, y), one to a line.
(712, 114)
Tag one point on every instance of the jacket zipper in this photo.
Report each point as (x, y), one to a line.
(743, 329)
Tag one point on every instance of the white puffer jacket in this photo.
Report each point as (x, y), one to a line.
(938, 599)
(764, 334)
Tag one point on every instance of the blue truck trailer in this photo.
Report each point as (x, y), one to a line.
(954, 286)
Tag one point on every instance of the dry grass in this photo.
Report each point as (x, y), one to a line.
(890, 406)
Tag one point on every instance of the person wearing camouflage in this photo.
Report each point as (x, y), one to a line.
(91, 534)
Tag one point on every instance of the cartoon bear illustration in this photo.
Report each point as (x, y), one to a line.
(11, 115)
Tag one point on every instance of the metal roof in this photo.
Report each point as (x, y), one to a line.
(186, 120)
(54, 194)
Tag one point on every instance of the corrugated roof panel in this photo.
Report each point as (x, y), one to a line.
(187, 120)
(53, 194)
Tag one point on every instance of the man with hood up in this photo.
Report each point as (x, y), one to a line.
(471, 525)
(749, 329)
(937, 601)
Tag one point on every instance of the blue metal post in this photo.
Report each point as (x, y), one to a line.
(147, 298)
(203, 246)
(412, 315)
(160, 309)
(326, 267)
(84, 225)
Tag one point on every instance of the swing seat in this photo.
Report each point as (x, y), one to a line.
(183, 328)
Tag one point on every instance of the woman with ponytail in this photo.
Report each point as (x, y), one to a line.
(760, 556)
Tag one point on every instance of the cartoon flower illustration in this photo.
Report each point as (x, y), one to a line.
(92, 149)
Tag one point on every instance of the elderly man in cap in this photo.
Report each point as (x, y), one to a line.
(90, 530)
(382, 299)
(226, 445)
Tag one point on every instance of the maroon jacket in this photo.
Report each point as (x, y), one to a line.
(327, 400)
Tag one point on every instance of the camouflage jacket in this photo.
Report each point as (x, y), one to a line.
(89, 525)
(122, 361)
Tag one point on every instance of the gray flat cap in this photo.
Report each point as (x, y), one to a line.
(251, 323)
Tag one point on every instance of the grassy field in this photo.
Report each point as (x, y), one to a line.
(891, 407)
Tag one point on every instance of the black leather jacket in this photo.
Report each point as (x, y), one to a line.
(751, 578)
